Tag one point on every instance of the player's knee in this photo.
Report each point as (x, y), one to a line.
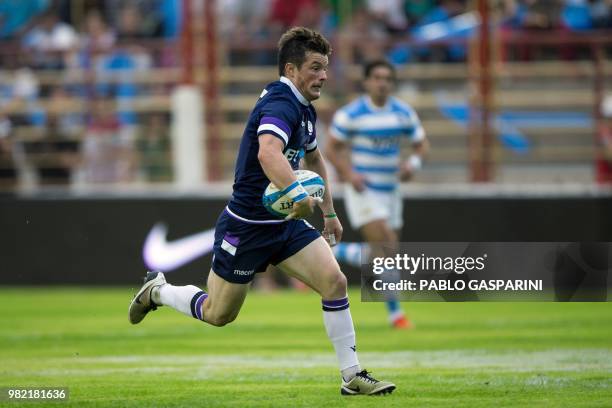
(336, 286)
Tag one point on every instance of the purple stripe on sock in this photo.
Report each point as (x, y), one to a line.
(276, 122)
(335, 303)
(232, 239)
(335, 309)
(198, 305)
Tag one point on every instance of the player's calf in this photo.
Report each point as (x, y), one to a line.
(219, 320)
(157, 292)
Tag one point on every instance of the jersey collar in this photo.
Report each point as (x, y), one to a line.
(374, 108)
(295, 91)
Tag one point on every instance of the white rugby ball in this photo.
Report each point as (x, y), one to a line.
(281, 205)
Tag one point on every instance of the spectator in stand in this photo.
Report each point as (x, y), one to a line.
(129, 24)
(576, 15)
(536, 16)
(8, 165)
(434, 22)
(389, 13)
(97, 39)
(51, 43)
(362, 37)
(146, 15)
(153, 146)
(96, 44)
(601, 13)
(340, 12)
(170, 16)
(285, 14)
(417, 9)
(245, 22)
(446, 10)
(539, 14)
(129, 56)
(17, 16)
(108, 154)
(55, 154)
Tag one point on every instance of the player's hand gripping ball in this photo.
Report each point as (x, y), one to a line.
(281, 205)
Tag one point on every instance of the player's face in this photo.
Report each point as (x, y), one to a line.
(311, 76)
(379, 84)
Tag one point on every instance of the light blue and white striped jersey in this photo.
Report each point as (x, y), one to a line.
(375, 135)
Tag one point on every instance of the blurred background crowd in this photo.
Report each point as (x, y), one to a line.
(85, 85)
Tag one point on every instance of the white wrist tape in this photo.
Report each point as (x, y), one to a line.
(415, 162)
(296, 192)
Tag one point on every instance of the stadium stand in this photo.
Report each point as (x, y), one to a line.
(548, 87)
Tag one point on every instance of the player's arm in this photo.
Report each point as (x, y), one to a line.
(338, 153)
(314, 161)
(415, 161)
(420, 147)
(279, 172)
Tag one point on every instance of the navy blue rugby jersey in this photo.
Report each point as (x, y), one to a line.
(283, 112)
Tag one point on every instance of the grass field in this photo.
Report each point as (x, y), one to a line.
(277, 353)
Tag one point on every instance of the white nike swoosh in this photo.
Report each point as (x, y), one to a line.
(159, 254)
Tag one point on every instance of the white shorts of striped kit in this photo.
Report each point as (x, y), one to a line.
(367, 206)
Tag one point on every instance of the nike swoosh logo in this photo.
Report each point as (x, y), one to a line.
(159, 254)
(356, 389)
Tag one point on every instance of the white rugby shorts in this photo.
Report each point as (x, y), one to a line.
(369, 205)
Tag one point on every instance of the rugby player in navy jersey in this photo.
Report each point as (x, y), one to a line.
(280, 131)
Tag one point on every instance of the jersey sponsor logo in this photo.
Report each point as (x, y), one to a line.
(385, 142)
(160, 254)
(291, 154)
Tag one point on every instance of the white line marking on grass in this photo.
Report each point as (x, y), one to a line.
(559, 359)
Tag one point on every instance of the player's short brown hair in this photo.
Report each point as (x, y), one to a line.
(296, 42)
(372, 65)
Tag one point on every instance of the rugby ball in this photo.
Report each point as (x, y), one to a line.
(281, 205)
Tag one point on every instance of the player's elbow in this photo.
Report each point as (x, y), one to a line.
(265, 155)
(422, 148)
(333, 149)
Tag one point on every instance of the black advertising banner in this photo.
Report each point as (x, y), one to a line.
(488, 271)
(113, 239)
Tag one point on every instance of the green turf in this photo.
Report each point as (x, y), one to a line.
(277, 354)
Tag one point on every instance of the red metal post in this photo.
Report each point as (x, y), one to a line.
(187, 43)
(481, 149)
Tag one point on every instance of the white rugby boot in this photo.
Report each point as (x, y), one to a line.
(142, 302)
(364, 384)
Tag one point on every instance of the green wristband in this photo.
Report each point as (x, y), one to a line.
(332, 215)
